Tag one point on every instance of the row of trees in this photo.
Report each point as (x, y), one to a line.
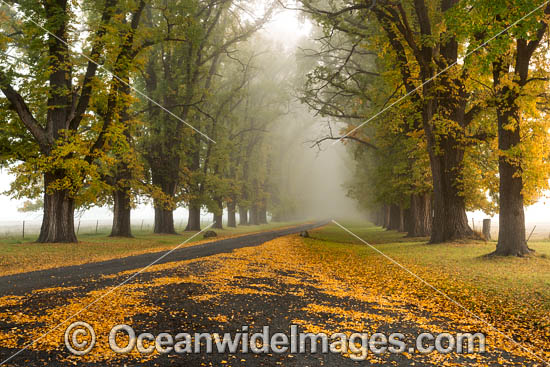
(459, 93)
(113, 102)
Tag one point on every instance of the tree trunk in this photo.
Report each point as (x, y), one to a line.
(58, 219)
(419, 218)
(164, 212)
(254, 219)
(401, 227)
(262, 215)
(243, 216)
(511, 231)
(450, 221)
(164, 221)
(194, 222)
(396, 218)
(386, 223)
(447, 99)
(218, 221)
(121, 214)
(218, 217)
(231, 215)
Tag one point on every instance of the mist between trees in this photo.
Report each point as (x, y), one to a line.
(229, 133)
(192, 104)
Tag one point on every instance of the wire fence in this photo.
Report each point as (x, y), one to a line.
(30, 229)
(535, 231)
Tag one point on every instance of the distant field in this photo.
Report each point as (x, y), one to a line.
(31, 227)
(541, 230)
(21, 255)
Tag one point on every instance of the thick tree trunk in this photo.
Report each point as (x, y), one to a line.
(164, 221)
(218, 217)
(419, 222)
(194, 222)
(164, 212)
(218, 221)
(511, 232)
(254, 218)
(262, 214)
(447, 99)
(408, 218)
(58, 219)
(231, 215)
(450, 221)
(243, 216)
(121, 214)
(397, 222)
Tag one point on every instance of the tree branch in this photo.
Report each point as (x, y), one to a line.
(24, 113)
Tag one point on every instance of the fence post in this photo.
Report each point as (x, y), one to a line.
(96, 225)
(78, 228)
(487, 229)
(141, 229)
(23, 229)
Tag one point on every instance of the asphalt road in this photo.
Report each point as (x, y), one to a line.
(20, 284)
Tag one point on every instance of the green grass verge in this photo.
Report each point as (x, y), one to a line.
(464, 261)
(511, 293)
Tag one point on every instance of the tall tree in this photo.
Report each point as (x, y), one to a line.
(183, 75)
(519, 73)
(54, 114)
(428, 57)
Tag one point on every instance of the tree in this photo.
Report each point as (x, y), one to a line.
(50, 98)
(183, 74)
(349, 82)
(116, 110)
(519, 68)
(427, 53)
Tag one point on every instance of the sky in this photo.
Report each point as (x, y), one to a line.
(287, 27)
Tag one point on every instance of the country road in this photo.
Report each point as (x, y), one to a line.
(271, 279)
(20, 284)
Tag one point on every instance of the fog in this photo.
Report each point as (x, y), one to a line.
(313, 179)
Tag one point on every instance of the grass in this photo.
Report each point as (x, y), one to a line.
(18, 255)
(466, 261)
(512, 293)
